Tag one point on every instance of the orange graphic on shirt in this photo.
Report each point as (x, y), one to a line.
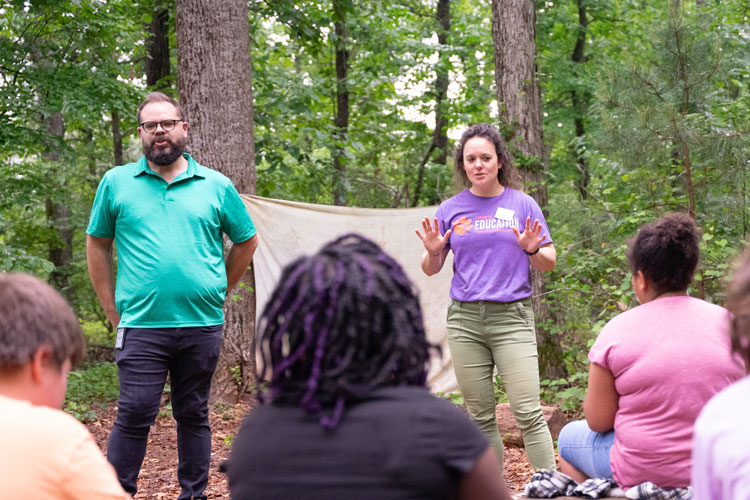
(462, 225)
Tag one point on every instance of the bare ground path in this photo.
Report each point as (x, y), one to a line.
(158, 479)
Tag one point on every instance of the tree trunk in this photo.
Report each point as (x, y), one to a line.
(440, 134)
(58, 217)
(215, 86)
(580, 104)
(683, 146)
(341, 120)
(117, 138)
(157, 48)
(520, 113)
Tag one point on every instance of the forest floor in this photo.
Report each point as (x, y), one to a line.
(158, 478)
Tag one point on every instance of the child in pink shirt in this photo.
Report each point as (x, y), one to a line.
(652, 369)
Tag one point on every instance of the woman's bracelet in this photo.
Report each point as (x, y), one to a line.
(531, 253)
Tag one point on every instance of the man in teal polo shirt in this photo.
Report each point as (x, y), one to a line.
(166, 214)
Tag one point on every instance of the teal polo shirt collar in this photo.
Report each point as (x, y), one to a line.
(193, 169)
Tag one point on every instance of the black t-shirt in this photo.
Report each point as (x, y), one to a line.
(400, 443)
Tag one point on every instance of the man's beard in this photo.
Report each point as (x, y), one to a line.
(165, 156)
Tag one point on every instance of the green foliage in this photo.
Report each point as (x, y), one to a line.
(96, 333)
(97, 384)
(458, 399)
(14, 259)
(644, 106)
(258, 388)
(236, 372)
(228, 441)
(454, 397)
(391, 45)
(241, 286)
(165, 411)
(69, 60)
(568, 393)
(226, 411)
(656, 114)
(500, 395)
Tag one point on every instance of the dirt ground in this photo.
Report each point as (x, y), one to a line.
(158, 478)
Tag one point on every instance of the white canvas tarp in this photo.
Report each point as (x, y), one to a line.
(289, 229)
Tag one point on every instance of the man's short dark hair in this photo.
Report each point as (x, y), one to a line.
(32, 315)
(159, 97)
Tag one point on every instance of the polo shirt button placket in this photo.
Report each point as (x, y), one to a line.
(168, 198)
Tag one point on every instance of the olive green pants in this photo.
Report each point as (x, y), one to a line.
(482, 335)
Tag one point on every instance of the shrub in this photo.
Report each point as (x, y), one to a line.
(96, 384)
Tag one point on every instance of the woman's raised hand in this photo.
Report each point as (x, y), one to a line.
(531, 237)
(432, 240)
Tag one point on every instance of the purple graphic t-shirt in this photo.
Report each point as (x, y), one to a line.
(488, 264)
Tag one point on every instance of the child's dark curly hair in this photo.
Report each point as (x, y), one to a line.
(666, 252)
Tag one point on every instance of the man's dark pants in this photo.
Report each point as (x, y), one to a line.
(146, 356)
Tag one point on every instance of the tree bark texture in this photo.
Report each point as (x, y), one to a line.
(60, 249)
(684, 61)
(215, 87)
(440, 134)
(157, 48)
(117, 138)
(580, 103)
(520, 113)
(341, 120)
(682, 144)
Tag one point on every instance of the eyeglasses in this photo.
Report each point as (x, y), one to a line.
(166, 125)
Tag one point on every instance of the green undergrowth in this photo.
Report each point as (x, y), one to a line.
(567, 393)
(95, 384)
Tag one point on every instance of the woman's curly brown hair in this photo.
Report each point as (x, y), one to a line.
(507, 174)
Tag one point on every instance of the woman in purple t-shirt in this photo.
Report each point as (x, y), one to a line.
(490, 321)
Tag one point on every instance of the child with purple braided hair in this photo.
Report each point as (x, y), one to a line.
(347, 413)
